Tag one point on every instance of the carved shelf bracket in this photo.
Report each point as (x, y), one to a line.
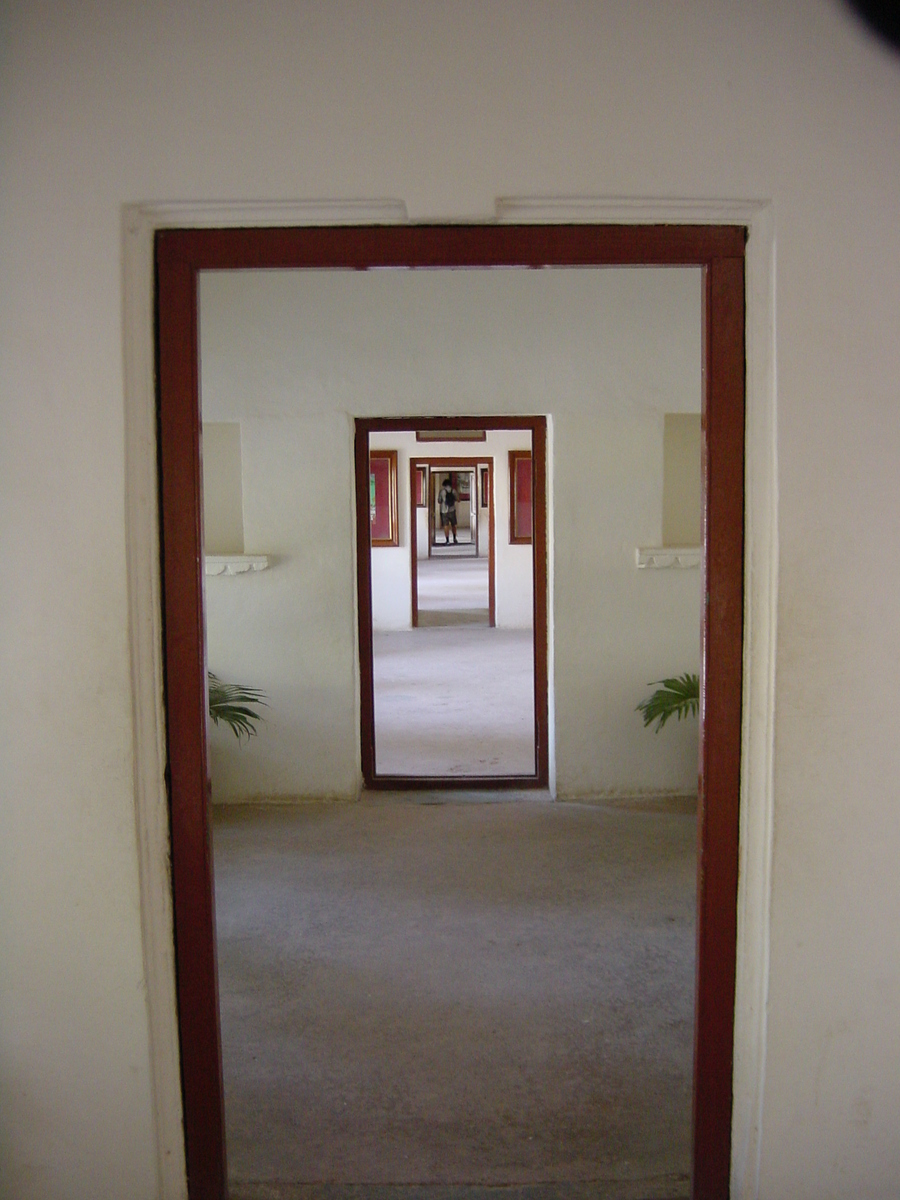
(235, 564)
(667, 557)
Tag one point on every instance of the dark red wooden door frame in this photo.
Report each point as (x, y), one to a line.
(418, 460)
(539, 777)
(180, 255)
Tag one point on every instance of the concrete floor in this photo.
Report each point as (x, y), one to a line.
(447, 587)
(454, 697)
(454, 701)
(434, 1000)
(464, 544)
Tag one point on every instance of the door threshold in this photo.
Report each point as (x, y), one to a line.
(667, 1187)
(474, 795)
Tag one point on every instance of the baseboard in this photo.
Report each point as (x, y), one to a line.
(667, 1187)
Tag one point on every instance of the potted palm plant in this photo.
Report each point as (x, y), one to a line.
(233, 703)
(676, 697)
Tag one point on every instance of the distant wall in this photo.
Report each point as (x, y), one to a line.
(682, 498)
(391, 582)
(223, 510)
(470, 517)
(295, 356)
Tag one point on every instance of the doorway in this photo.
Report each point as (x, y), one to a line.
(497, 737)
(426, 533)
(460, 482)
(719, 252)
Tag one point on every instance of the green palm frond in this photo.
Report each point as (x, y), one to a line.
(230, 702)
(678, 697)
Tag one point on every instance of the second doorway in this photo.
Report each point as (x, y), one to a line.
(452, 604)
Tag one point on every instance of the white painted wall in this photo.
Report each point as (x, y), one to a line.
(223, 510)
(288, 629)
(422, 532)
(449, 107)
(606, 353)
(682, 505)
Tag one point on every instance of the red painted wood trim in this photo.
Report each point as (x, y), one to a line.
(360, 247)
(492, 578)
(414, 465)
(186, 717)
(539, 576)
(410, 424)
(422, 461)
(538, 428)
(720, 753)
(393, 538)
(364, 603)
(180, 253)
(515, 457)
(447, 783)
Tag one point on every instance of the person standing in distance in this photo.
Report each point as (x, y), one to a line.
(447, 502)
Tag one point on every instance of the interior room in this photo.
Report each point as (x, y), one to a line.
(454, 685)
(295, 357)
(121, 122)
(399, 975)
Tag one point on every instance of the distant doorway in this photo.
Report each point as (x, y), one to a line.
(464, 531)
(490, 728)
(475, 536)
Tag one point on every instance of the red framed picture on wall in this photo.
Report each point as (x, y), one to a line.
(520, 502)
(383, 529)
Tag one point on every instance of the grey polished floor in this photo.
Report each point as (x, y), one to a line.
(457, 994)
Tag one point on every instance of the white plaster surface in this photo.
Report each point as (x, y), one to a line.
(223, 514)
(607, 353)
(447, 107)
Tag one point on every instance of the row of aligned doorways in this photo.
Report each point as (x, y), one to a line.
(181, 255)
(533, 432)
